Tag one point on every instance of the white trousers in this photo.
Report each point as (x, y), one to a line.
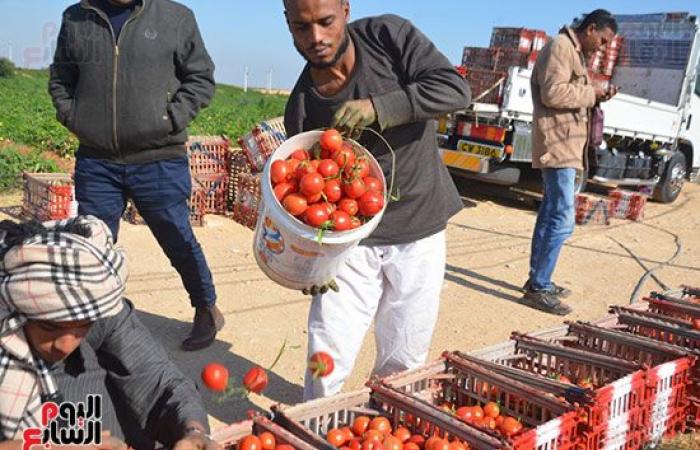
(399, 287)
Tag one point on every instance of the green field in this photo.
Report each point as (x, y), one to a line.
(27, 116)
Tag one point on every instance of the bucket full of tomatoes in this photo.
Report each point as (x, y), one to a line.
(321, 195)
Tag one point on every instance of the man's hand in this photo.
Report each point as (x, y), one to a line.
(604, 94)
(354, 114)
(196, 441)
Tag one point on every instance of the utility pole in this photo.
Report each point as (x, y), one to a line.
(245, 80)
(9, 51)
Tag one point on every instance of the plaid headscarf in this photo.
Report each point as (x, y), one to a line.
(54, 276)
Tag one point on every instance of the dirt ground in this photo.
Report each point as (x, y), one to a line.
(488, 251)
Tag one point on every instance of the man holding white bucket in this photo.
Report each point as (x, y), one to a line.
(383, 73)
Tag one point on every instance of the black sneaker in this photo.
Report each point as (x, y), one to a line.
(559, 291)
(546, 301)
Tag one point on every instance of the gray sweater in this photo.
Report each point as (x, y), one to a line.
(410, 83)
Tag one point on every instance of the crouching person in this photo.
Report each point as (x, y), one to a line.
(67, 333)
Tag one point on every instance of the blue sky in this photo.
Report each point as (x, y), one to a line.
(253, 33)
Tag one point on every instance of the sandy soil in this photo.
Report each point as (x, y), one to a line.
(488, 251)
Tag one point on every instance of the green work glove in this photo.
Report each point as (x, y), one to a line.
(315, 290)
(354, 115)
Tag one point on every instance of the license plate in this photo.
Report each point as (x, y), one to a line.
(480, 149)
(463, 161)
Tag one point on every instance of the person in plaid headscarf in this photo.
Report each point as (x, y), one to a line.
(66, 332)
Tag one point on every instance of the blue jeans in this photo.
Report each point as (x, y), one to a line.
(555, 223)
(160, 190)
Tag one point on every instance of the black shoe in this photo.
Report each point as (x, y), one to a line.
(559, 291)
(546, 301)
(207, 322)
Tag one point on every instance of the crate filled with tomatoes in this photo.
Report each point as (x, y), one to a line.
(258, 433)
(610, 391)
(380, 419)
(524, 416)
(667, 373)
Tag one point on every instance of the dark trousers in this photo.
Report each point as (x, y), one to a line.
(160, 190)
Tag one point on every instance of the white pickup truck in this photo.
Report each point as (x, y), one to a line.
(652, 127)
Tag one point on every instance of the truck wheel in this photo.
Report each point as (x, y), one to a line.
(671, 183)
(581, 180)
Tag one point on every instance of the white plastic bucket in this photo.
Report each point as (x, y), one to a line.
(285, 248)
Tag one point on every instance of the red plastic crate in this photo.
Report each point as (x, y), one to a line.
(47, 196)
(682, 310)
(229, 436)
(311, 421)
(667, 379)
(514, 38)
(210, 193)
(614, 415)
(259, 144)
(486, 85)
(247, 201)
(550, 423)
(239, 166)
(208, 155)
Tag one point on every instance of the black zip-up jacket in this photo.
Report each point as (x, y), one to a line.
(129, 99)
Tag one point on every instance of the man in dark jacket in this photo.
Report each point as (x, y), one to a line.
(379, 72)
(128, 77)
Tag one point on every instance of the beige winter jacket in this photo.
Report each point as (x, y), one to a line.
(562, 96)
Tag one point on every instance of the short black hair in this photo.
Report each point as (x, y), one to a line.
(601, 18)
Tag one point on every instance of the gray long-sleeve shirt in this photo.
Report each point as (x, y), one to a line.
(410, 83)
(145, 397)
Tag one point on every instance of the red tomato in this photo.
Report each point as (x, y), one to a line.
(392, 443)
(381, 424)
(696, 324)
(311, 184)
(359, 425)
(255, 380)
(344, 157)
(355, 222)
(355, 444)
(373, 184)
(330, 207)
(215, 377)
(349, 435)
(317, 214)
(332, 190)
(284, 189)
(465, 413)
(439, 444)
(372, 445)
(418, 440)
(331, 140)
(304, 168)
(321, 364)
(311, 199)
(267, 440)
(354, 188)
(328, 168)
(279, 171)
(341, 221)
(563, 379)
(402, 434)
(478, 412)
(456, 445)
(300, 155)
(372, 435)
(432, 442)
(336, 437)
(349, 205)
(359, 170)
(411, 446)
(250, 442)
(510, 426)
(491, 409)
(370, 203)
(295, 204)
(292, 166)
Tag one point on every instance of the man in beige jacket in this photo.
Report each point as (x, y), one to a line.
(562, 95)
